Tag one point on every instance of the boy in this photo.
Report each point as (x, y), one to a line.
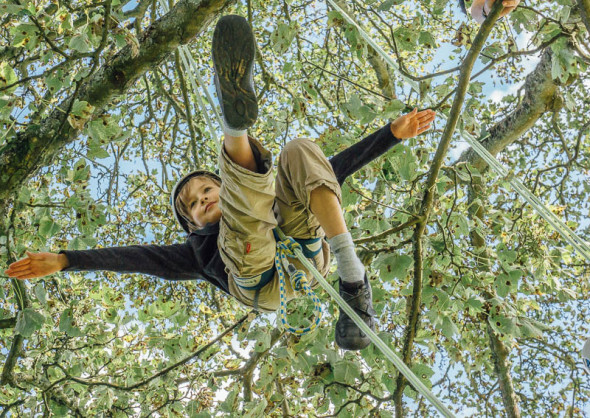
(230, 217)
(480, 8)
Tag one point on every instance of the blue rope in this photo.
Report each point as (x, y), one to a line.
(286, 248)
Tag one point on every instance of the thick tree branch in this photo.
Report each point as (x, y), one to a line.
(250, 366)
(498, 349)
(541, 94)
(35, 147)
(7, 323)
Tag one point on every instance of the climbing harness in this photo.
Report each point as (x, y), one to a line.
(287, 247)
(568, 235)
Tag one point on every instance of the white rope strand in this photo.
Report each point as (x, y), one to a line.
(581, 246)
(191, 69)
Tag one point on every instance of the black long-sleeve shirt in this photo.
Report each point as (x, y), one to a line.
(198, 257)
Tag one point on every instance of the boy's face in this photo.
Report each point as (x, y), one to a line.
(201, 198)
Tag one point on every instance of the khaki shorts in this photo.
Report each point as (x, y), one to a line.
(252, 206)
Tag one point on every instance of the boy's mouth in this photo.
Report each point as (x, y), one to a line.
(209, 206)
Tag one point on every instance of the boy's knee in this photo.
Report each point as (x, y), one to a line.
(300, 148)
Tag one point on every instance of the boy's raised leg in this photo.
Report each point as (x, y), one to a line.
(233, 52)
(354, 285)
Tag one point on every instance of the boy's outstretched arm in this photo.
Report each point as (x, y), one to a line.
(37, 265)
(172, 262)
(363, 152)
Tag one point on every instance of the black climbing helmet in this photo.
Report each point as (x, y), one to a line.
(176, 190)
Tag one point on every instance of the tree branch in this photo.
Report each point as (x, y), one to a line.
(162, 372)
(427, 202)
(36, 147)
(541, 94)
(7, 322)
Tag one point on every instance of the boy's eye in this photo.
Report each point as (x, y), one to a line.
(207, 189)
(192, 204)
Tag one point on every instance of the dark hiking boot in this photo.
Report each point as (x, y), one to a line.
(348, 335)
(233, 51)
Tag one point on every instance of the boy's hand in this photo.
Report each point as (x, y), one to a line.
(37, 265)
(509, 5)
(412, 124)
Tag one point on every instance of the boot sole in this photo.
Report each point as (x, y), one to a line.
(233, 51)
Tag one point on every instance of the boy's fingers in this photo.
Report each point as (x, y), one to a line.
(426, 116)
(18, 263)
(18, 268)
(20, 274)
(33, 255)
(27, 276)
(423, 128)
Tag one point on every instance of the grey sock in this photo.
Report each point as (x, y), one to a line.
(232, 132)
(350, 268)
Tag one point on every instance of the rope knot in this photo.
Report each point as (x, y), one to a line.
(289, 245)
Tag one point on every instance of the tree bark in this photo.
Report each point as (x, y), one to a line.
(502, 368)
(498, 349)
(35, 147)
(541, 94)
(585, 13)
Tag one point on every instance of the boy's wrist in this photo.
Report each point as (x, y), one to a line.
(63, 261)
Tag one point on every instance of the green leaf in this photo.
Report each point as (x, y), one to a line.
(528, 329)
(424, 373)
(81, 243)
(28, 321)
(230, 403)
(346, 371)
(67, 324)
(504, 325)
(475, 304)
(41, 294)
(47, 227)
(255, 409)
(388, 4)
(82, 109)
(427, 39)
(7, 77)
(282, 37)
(448, 328)
(349, 196)
(395, 266)
(393, 109)
(103, 130)
(80, 43)
(10, 8)
(262, 338)
(24, 35)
